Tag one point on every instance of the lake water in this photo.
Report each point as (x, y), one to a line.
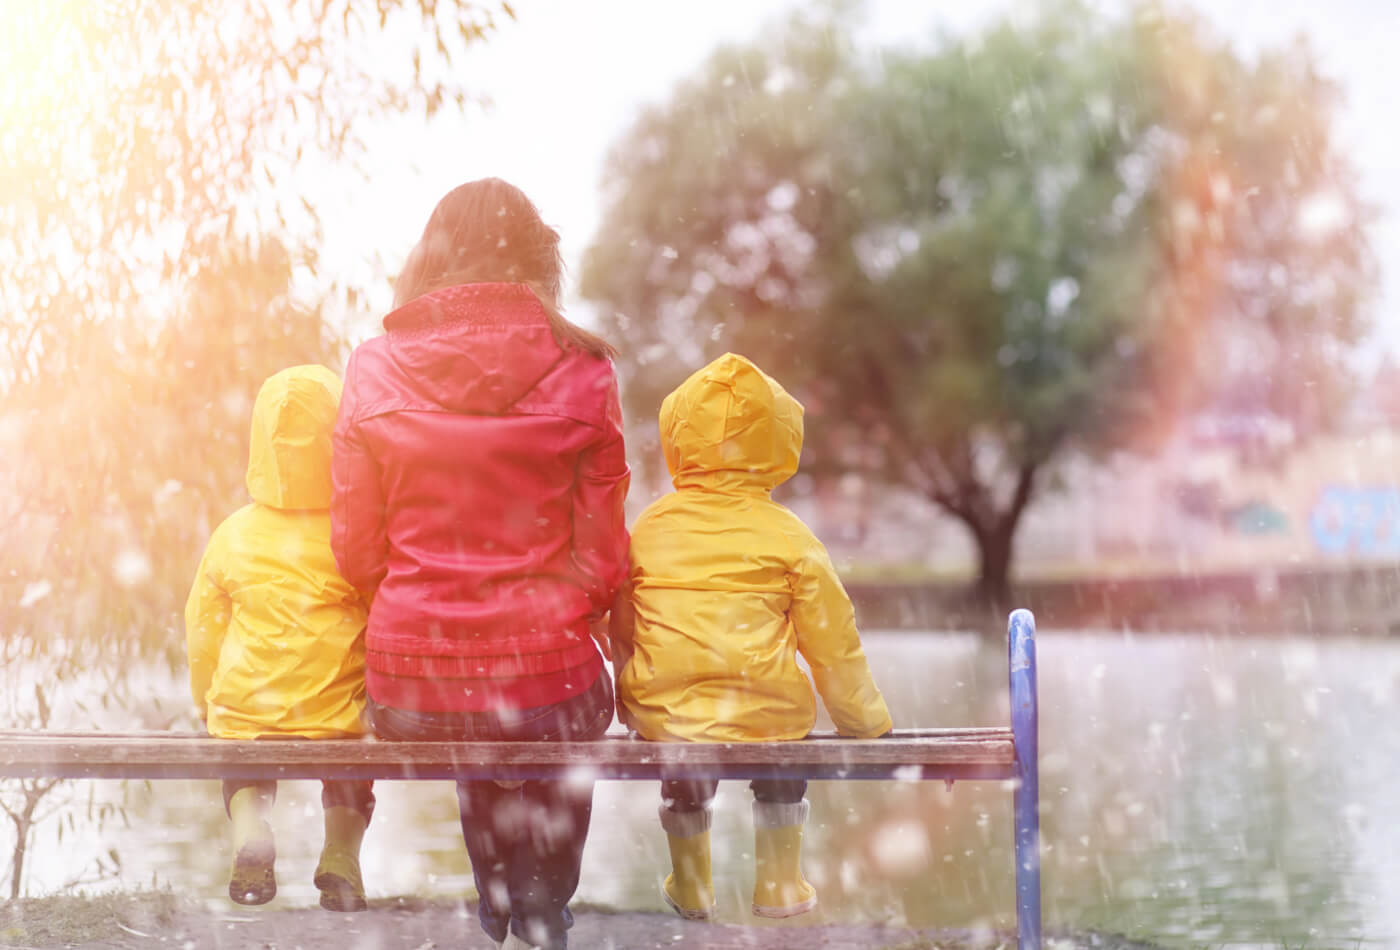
(1197, 792)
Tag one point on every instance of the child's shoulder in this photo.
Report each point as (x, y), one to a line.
(793, 525)
(238, 517)
(678, 510)
(682, 503)
(667, 502)
(246, 520)
(227, 535)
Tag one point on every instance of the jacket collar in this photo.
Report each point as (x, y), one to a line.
(491, 303)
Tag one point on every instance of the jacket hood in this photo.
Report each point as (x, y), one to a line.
(731, 424)
(473, 348)
(289, 454)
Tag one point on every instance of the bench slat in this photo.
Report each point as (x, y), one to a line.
(974, 753)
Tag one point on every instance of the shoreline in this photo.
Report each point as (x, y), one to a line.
(1322, 601)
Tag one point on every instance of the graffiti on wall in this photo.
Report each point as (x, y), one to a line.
(1365, 520)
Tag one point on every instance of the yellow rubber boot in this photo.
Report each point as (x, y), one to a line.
(252, 880)
(338, 872)
(779, 889)
(689, 889)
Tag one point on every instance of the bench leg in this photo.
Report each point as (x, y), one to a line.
(1024, 732)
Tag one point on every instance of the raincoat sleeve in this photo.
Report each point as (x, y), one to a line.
(622, 627)
(358, 536)
(828, 640)
(599, 523)
(208, 612)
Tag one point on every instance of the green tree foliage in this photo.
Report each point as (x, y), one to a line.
(132, 132)
(1060, 235)
(151, 249)
(152, 258)
(119, 473)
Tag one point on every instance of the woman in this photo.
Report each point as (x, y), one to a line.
(479, 479)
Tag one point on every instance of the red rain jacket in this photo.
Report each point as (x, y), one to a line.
(478, 486)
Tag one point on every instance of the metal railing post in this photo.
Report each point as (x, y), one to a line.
(1025, 726)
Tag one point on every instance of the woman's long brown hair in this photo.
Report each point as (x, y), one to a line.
(486, 231)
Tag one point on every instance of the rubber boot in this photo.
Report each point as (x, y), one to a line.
(689, 888)
(252, 880)
(779, 889)
(338, 872)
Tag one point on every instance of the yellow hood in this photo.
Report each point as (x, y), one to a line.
(731, 424)
(289, 455)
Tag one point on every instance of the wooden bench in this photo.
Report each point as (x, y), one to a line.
(953, 754)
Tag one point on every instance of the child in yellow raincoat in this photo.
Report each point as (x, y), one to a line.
(726, 587)
(276, 636)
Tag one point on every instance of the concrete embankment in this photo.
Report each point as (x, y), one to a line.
(1321, 601)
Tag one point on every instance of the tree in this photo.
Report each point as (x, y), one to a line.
(151, 254)
(155, 272)
(123, 470)
(120, 474)
(135, 132)
(1058, 235)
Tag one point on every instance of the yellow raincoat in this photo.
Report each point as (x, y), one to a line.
(275, 635)
(728, 586)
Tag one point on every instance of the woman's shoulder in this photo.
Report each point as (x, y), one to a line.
(376, 347)
(365, 362)
(584, 363)
(371, 378)
(579, 385)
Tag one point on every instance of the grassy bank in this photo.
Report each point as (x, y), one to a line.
(77, 920)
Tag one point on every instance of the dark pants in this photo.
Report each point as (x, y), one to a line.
(526, 841)
(347, 793)
(695, 794)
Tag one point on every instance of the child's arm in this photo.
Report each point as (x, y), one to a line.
(358, 537)
(208, 612)
(827, 638)
(599, 523)
(622, 622)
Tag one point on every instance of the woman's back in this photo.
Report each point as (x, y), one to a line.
(495, 456)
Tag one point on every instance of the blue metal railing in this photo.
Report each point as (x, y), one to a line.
(1025, 727)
